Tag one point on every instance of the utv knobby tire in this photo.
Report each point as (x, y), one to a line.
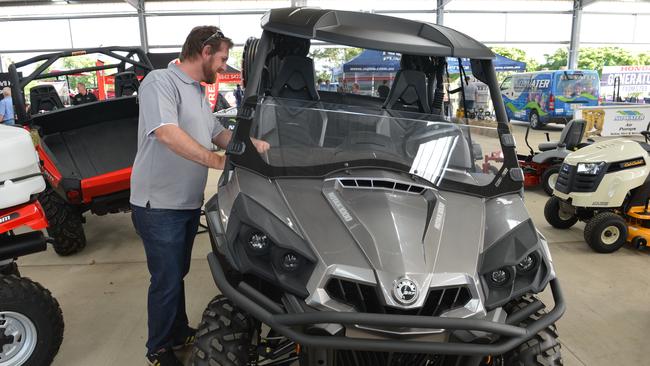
(597, 228)
(65, 223)
(543, 349)
(554, 216)
(224, 335)
(19, 295)
(248, 57)
(553, 170)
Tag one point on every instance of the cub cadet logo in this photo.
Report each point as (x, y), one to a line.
(629, 116)
(339, 207)
(628, 164)
(4, 219)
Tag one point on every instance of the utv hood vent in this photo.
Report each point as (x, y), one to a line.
(385, 184)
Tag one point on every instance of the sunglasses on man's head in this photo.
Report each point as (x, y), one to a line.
(217, 35)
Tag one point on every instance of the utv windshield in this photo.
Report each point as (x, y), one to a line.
(310, 138)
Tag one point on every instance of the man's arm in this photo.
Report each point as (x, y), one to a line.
(223, 139)
(184, 145)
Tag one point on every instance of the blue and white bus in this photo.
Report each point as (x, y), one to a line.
(549, 96)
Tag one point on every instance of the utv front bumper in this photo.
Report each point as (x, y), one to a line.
(292, 325)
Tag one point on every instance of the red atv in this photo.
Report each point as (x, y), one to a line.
(87, 150)
(31, 322)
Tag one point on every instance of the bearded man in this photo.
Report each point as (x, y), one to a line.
(175, 133)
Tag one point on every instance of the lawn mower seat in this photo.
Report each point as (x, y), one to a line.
(409, 92)
(44, 98)
(569, 138)
(296, 124)
(126, 83)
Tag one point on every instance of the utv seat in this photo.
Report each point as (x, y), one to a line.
(44, 98)
(409, 92)
(126, 83)
(569, 138)
(295, 125)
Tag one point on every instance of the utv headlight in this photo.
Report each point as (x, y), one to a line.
(290, 262)
(528, 264)
(500, 277)
(258, 243)
(590, 168)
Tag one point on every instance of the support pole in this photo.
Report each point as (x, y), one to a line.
(440, 11)
(574, 47)
(142, 21)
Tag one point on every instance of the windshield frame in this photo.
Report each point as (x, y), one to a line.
(241, 153)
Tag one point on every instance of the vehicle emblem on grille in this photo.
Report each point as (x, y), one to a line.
(405, 291)
(565, 168)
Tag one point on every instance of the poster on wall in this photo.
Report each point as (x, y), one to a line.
(623, 120)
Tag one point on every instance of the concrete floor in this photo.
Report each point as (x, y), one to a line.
(102, 292)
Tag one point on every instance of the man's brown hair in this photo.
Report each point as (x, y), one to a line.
(201, 36)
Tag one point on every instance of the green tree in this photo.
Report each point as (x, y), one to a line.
(556, 60)
(643, 58)
(595, 58)
(88, 78)
(330, 57)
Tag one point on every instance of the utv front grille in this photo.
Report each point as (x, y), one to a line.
(367, 299)
(568, 180)
(362, 358)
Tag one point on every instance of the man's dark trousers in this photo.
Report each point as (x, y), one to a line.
(168, 237)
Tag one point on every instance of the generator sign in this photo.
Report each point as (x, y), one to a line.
(631, 79)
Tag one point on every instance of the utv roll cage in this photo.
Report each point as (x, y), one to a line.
(126, 62)
(277, 65)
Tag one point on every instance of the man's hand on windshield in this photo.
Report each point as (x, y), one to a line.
(261, 146)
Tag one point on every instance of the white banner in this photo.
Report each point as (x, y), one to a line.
(620, 120)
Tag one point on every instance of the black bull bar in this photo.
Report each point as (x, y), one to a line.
(270, 313)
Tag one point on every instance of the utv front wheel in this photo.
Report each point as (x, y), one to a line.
(543, 349)
(224, 336)
(31, 323)
(549, 178)
(559, 216)
(65, 225)
(606, 232)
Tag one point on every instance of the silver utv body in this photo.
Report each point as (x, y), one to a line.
(383, 233)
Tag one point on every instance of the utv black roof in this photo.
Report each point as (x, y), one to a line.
(374, 31)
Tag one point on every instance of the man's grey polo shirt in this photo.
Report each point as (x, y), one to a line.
(160, 177)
